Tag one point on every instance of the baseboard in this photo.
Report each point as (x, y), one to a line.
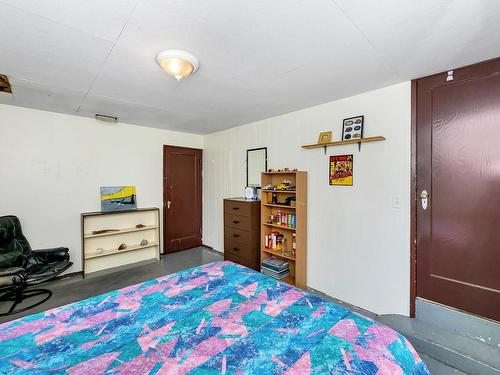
(120, 268)
(462, 322)
(208, 248)
(68, 275)
(211, 249)
(356, 309)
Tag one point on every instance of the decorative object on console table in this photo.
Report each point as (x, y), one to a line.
(128, 243)
(242, 232)
(284, 225)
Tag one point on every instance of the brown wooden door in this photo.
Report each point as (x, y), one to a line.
(458, 164)
(182, 195)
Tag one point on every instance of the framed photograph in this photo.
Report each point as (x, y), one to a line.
(341, 170)
(353, 128)
(324, 137)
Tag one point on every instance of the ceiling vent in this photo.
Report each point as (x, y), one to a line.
(4, 84)
(105, 118)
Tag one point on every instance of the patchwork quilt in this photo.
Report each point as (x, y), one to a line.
(220, 318)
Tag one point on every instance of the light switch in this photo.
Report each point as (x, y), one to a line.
(396, 202)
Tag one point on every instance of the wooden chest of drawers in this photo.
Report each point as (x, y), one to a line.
(242, 232)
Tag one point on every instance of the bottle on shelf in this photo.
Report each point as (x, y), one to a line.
(283, 219)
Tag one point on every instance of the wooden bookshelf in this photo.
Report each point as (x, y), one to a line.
(131, 227)
(297, 262)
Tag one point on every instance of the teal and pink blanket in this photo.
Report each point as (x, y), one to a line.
(220, 318)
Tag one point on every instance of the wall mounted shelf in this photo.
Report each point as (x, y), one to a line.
(342, 143)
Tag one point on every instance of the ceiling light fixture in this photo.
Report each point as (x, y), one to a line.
(179, 64)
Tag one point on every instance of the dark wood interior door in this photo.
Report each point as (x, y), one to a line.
(182, 197)
(458, 165)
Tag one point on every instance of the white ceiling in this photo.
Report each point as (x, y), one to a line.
(258, 58)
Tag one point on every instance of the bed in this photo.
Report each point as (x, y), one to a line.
(220, 318)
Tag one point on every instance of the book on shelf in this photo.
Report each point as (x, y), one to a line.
(274, 270)
(274, 263)
(273, 274)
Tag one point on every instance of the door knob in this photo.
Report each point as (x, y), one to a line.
(424, 197)
(169, 204)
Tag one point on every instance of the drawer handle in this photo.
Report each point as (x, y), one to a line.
(236, 235)
(236, 248)
(236, 221)
(236, 208)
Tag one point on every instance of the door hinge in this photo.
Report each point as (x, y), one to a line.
(450, 76)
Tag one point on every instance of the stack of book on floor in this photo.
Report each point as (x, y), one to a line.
(275, 267)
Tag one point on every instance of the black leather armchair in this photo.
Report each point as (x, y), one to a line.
(22, 267)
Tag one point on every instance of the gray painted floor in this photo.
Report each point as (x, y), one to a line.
(74, 289)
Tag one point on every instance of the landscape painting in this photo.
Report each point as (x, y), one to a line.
(118, 198)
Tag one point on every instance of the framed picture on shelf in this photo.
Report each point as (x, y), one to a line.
(353, 128)
(325, 137)
(341, 170)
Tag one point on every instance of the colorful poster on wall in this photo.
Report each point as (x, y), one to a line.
(341, 168)
(117, 198)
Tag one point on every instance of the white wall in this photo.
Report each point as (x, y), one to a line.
(358, 243)
(52, 165)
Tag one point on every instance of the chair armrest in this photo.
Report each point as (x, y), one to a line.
(11, 277)
(52, 250)
(12, 271)
(57, 254)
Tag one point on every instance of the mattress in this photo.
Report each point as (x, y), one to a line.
(220, 318)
